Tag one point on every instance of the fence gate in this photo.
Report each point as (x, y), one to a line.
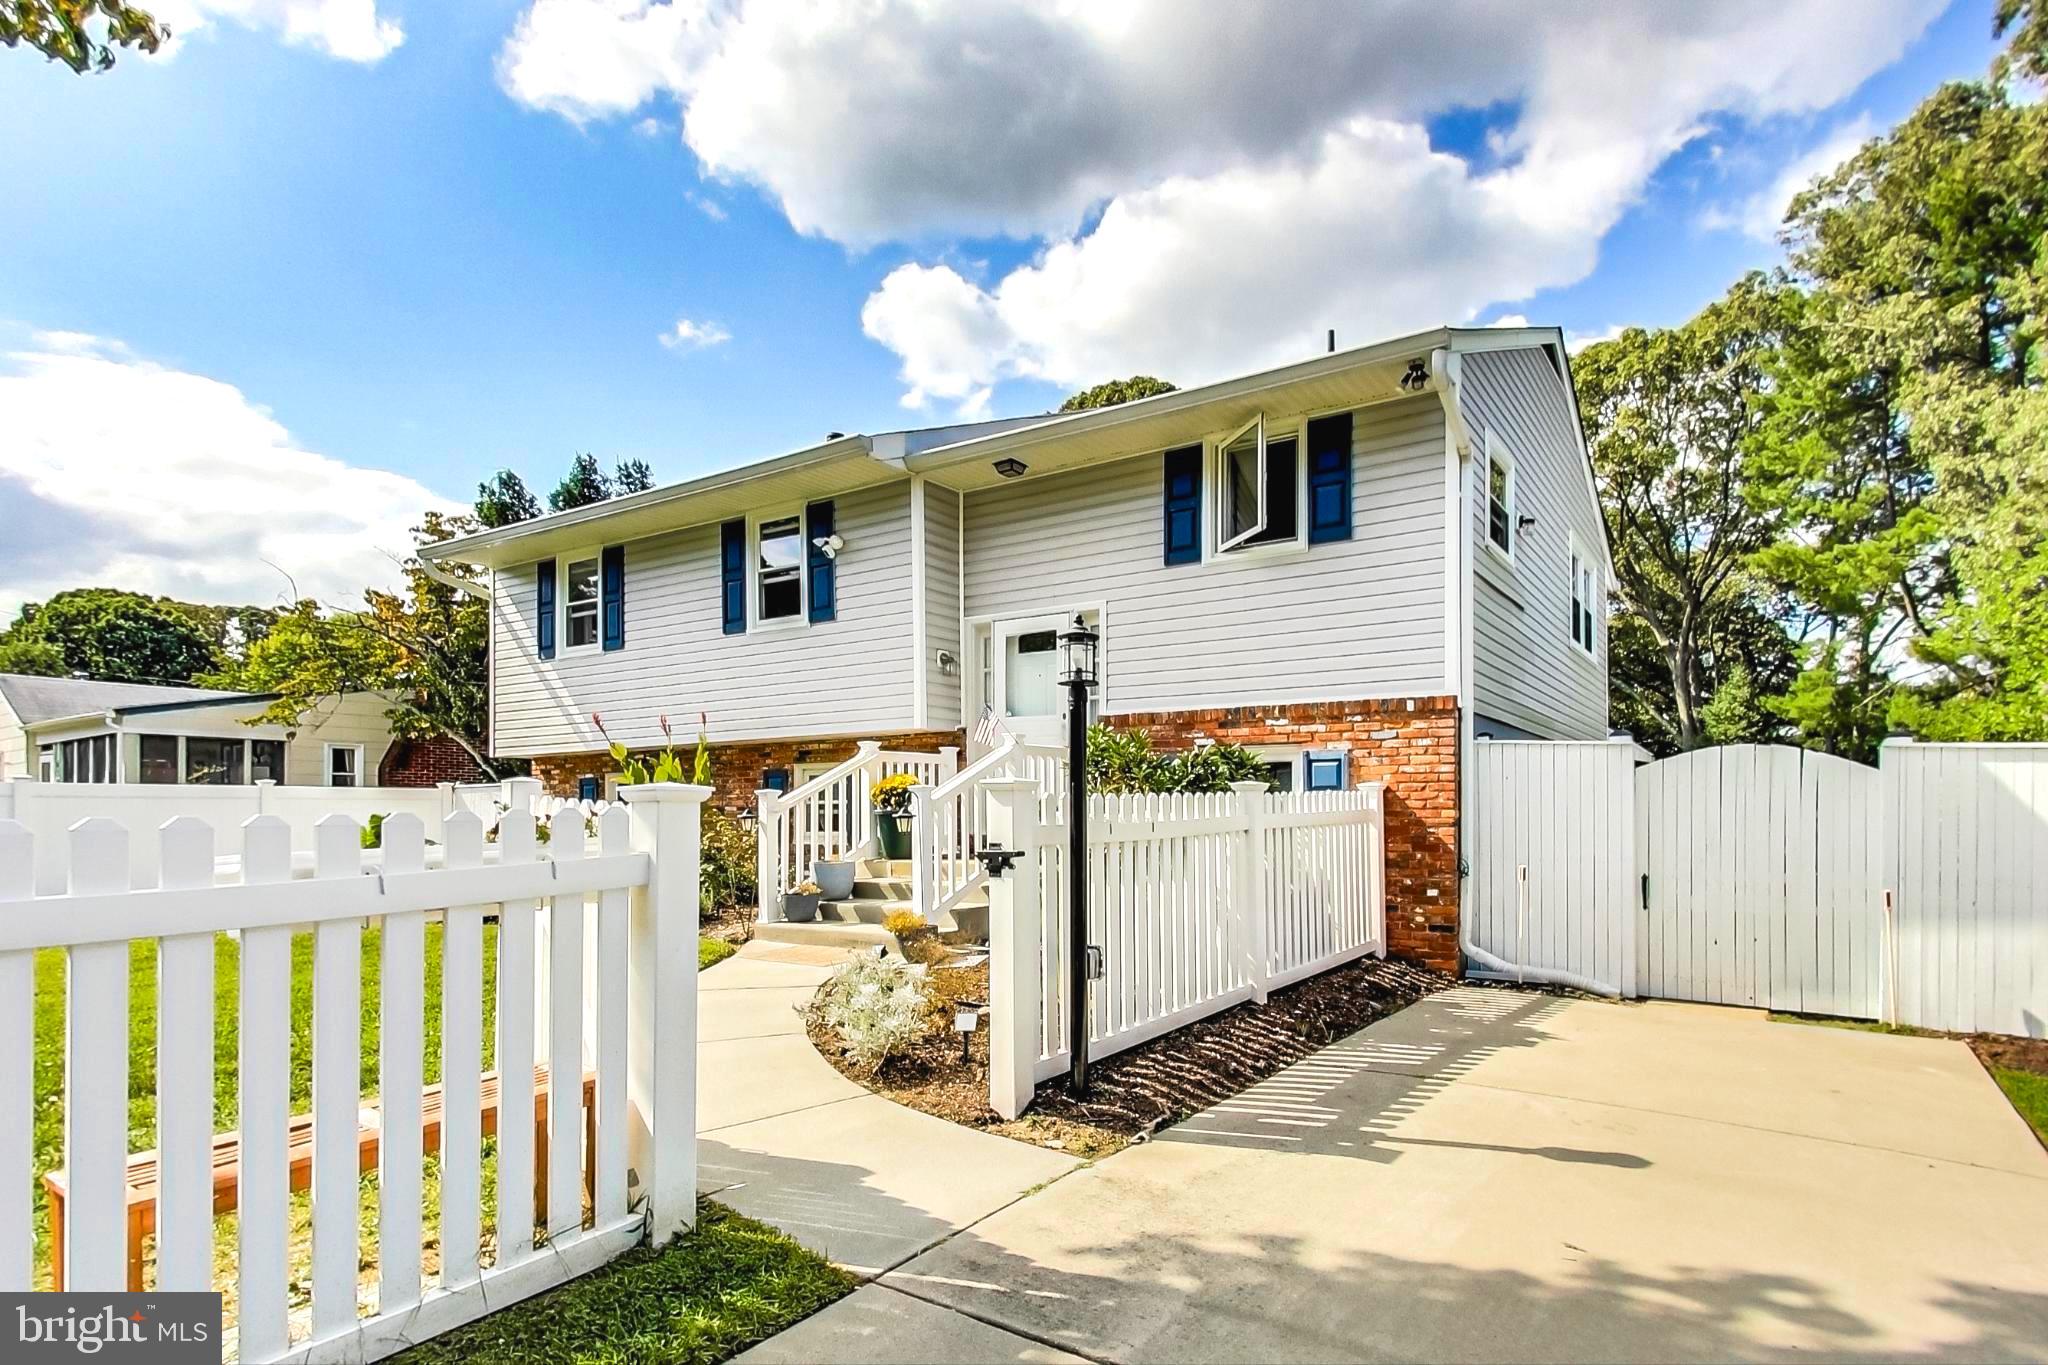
(1761, 880)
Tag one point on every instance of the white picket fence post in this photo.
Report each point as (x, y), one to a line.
(924, 853)
(17, 1064)
(769, 840)
(184, 1069)
(661, 1052)
(1249, 885)
(96, 1075)
(7, 790)
(522, 792)
(1014, 934)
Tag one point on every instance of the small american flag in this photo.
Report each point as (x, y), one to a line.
(987, 727)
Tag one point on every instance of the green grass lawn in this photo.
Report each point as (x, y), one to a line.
(712, 951)
(710, 1294)
(2028, 1092)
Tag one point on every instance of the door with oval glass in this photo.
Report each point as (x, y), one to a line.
(1021, 676)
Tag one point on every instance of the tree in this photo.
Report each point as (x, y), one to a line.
(37, 658)
(1671, 416)
(1117, 391)
(504, 500)
(117, 636)
(82, 34)
(1746, 664)
(426, 646)
(584, 484)
(632, 476)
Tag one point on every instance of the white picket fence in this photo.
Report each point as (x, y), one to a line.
(639, 885)
(831, 818)
(1916, 892)
(48, 809)
(1195, 903)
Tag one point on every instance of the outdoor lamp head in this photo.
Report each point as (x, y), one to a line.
(1077, 654)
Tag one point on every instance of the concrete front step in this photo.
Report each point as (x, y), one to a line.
(823, 934)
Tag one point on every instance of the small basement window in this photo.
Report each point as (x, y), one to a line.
(579, 628)
(781, 573)
(1259, 489)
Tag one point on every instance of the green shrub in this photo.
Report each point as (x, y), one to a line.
(1122, 762)
(728, 861)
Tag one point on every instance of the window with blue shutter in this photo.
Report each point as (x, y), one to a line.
(1329, 479)
(613, 591)
(824, 588)
(544, 607)
(732, 575)
(775, 779)
(1183, 524)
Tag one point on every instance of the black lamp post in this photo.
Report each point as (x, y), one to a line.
(1078, 673)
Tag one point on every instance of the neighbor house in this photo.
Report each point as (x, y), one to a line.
(1353, 565)
(78, 730)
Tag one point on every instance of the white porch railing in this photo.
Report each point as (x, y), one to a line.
(637, 992)
(950, 822)
(830, 818)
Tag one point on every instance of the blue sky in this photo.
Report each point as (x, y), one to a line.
(463, 255)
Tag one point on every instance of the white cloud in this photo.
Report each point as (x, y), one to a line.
(351, 30)
(1214, 184)
(1574, 342)
(1763, 213)
(119, 472)
(1510, 320)
(706, 205)
(694, 336)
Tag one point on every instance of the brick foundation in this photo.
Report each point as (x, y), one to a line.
(1411, 745)
(738, 770)
(425, 762)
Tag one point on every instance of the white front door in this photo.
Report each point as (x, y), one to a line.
(1023, 677)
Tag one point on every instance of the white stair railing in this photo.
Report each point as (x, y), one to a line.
(950, 822)
(830, 818)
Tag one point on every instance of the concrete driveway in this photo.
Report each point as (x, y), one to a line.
(1493, 1175)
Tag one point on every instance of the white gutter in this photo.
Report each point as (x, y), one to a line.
(455, 581)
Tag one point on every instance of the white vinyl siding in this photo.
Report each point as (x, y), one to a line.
(942, 606)
(1348, 620)
(15, 760)
(850, 676)
(1526, 671)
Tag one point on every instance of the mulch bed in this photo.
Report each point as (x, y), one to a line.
(2014, 1054)
(1136, 1092)
(731, 924)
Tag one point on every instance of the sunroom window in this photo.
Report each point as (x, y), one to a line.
(1260, 494)
(781, 571)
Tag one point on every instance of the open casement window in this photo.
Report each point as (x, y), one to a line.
(1259, 489)
(779, 572)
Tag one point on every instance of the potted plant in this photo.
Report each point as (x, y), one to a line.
(891, 799)
(835, 879)
(801, 905)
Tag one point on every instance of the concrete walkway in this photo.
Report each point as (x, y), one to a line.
(783, 1137)
(1493, 1175)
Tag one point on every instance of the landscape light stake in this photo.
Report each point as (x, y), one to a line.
(1078, 672)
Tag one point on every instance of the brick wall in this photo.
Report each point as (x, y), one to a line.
(737, 770)
(1412, 746)
(424, 762)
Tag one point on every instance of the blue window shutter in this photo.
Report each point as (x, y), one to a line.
(775, 779)
(1183, 524)
(824, 587)
(587, 788)
(1329, 479)
(732, 575)
(544, 608)
(612, 577)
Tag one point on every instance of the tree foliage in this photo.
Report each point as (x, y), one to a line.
(118, 636)
(504, 500)
(585, 483)
(1116, 391)
(425, 646)
(82, 34)
(37, 658)
(631, 476)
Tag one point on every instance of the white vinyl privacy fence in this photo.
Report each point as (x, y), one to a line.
(1195, 903)
(1915, 892)
(609, 1084)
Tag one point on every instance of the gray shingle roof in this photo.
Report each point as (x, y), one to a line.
(34, 700)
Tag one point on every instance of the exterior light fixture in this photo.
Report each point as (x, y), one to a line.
(829, 546)
(1524, 522)
(1078, 673)
(1010, 467)
(1416, 379)
(1077, 655)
